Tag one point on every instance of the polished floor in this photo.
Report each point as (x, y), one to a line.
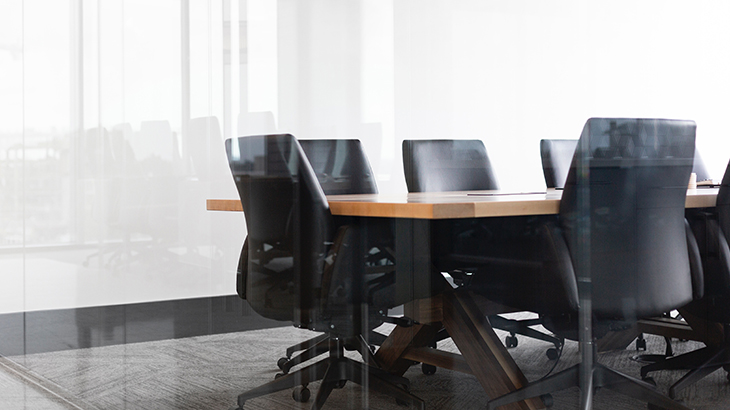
(63, 329)
(18, 392)
(207, 372)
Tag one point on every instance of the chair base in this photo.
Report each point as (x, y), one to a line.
(602, 377)
(702, 362)
(314, 347)
(653, 358)
(522, 327)
(334, 372)
(310, 348)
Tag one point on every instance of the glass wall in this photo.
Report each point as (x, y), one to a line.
(115, 113)
(113, 138)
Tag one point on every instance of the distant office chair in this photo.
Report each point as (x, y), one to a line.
(306, 267)
(447, 165)
(712, 230)
(700, 169)
(342, 168)
(621, 224)
(463, 165)
(556, 157)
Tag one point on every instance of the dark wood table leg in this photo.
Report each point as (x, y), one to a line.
(489, 360)
(391, 354)
(617, 340)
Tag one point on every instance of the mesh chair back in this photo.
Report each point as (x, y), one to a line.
(622, 214)
(289, 226)
(447, 165)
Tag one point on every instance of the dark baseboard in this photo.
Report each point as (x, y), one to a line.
(64, 329)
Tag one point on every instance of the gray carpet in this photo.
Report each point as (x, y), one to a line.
(208, 372)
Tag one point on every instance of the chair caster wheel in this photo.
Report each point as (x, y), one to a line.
(428, 369)
(340, 384)
(649, 380)
(281, 363)
(510, 341)
(547, 400)
(301, 394)
(644, 374)
(552, 353)
(278, 375)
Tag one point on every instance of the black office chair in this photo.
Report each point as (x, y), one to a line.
(699, 168)
(621, 224)
(342, 168)
(463, 165)
(305, 267)
(556, 157)
(447, 165)
(712, 230)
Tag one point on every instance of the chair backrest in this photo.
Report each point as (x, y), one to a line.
(622, 213)
(341, 166)
(289, 226)
(447, 165)
(699, 168)
(723, 204)
(716, 260)
(556, 158)
(712, 232)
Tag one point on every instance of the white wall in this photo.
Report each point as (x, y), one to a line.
(131, 73)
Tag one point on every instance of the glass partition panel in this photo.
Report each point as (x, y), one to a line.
(112, 139)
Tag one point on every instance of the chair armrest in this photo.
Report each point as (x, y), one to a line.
(724, 254)
(562, 270)
(695, 263)
(242, 271)
(330, 262)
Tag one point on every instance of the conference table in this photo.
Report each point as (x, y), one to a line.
(455, 204)
(460, 313)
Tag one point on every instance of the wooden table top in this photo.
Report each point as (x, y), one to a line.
(457, 204)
